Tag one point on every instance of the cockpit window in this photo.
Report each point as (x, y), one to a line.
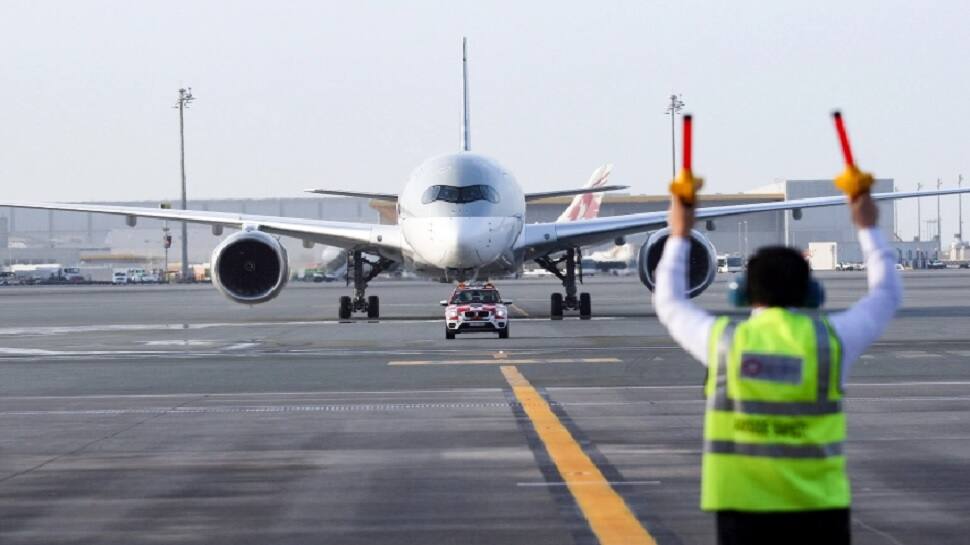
(459, 195)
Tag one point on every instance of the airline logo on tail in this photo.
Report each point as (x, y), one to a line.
(587, 205)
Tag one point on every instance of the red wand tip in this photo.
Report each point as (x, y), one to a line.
(843, 138)
(688, 123)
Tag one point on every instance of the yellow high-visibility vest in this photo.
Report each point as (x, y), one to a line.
(774, 429)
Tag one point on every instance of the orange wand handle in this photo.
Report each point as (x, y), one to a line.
(685, 185)
(853, 182)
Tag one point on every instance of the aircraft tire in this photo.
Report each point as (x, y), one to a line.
(555, 306)
(344, 312)
(585, 306)
(373, 307)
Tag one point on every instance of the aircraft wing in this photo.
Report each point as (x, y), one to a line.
(332, 233)
(541, 238)
(529, 197)
(363, 195)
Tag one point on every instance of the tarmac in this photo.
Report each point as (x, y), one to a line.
(168, 414)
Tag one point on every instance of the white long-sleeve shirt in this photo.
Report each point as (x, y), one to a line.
(857, 327)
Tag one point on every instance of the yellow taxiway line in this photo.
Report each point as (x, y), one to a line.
(504, 361)
(608, 514)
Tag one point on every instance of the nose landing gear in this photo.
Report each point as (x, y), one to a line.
(360, 301)
(557, 302)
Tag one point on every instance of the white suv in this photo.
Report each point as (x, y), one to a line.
(476, 309)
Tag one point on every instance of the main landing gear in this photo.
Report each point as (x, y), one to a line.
(360, 303)
(558, 303)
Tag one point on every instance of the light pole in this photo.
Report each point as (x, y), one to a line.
(960, 204)
(676, 105)
(183, 101)
(939, 237)
(919, 214)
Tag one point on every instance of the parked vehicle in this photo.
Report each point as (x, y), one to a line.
(8, 278)
(73, 275)
(729, 263)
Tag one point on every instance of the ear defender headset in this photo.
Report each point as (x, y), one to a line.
(739, 296)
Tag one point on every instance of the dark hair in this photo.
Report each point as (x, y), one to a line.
(777, 276)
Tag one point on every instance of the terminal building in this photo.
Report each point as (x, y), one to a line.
(41, 236)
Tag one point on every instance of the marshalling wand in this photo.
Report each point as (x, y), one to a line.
(853, 182)
(686, 185)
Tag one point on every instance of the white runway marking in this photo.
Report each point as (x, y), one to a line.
(42, 352)
(444, 391)
(180, 342)
(503, 361)
(914, 354)
(341, 408)
(104, 328)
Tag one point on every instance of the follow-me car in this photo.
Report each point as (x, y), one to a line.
(476, 309)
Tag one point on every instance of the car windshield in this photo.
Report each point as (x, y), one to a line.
(459, 195)
(476, 296)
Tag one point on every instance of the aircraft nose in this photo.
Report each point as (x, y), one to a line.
(468, 243)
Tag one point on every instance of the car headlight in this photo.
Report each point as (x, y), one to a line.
(500, 313)
(451, 313)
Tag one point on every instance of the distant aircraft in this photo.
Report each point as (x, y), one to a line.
(617, 261)
(461, 216)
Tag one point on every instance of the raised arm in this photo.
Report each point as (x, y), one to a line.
(864, 322)
(689, 325)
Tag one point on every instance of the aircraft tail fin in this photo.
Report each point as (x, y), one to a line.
(587, 205)
(466, 144)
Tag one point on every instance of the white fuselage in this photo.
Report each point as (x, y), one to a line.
(460, 216)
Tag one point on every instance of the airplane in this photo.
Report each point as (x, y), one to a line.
(461, 216)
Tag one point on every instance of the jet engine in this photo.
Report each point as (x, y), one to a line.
(701, 263)
(250, 267)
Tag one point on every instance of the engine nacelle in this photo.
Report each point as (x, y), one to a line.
(701, 263)
(250, 267)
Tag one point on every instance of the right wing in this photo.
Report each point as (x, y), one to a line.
(332, 233)
(529, 197)
(544, 238)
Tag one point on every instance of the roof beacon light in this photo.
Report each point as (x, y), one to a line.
(685, 185)
(853, 182)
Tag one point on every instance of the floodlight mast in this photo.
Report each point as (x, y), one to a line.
(939, 232)
(183, 101)
(919, 213)
(676, 105)
(960, 204)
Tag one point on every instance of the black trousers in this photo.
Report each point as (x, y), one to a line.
(828, 527)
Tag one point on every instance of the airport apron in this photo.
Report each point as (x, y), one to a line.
(774, 427)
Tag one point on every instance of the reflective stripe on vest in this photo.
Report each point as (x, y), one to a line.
(762, 453)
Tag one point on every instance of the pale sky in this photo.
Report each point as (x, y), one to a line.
(354, 95)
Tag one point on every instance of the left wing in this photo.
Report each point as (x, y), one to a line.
(541, 238)
(361, 194)
(332, 233)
